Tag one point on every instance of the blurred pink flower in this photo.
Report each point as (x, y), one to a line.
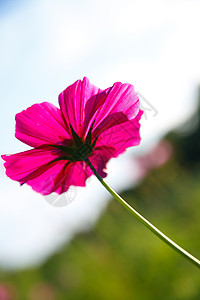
(91, 123)
(157, 157)
(7, 291)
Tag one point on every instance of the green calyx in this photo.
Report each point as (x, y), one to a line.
(80, 149)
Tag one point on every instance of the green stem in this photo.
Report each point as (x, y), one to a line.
(150, 226)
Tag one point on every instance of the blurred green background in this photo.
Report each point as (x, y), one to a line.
(119, 258)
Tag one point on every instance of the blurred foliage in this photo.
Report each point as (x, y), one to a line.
(186, 141)
(120, 259)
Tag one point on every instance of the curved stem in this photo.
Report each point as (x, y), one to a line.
(150, 226)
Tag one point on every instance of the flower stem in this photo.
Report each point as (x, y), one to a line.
(150, 226)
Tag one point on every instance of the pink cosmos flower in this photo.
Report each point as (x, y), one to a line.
(91, 124)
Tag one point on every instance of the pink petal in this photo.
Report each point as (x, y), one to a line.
(73, 100)
(40, 124)
(120, 104)
(76, 175)
(82, 103)
(55, 180)
(121, 136)
(32, 167)
(100, 157)
(20, 165)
